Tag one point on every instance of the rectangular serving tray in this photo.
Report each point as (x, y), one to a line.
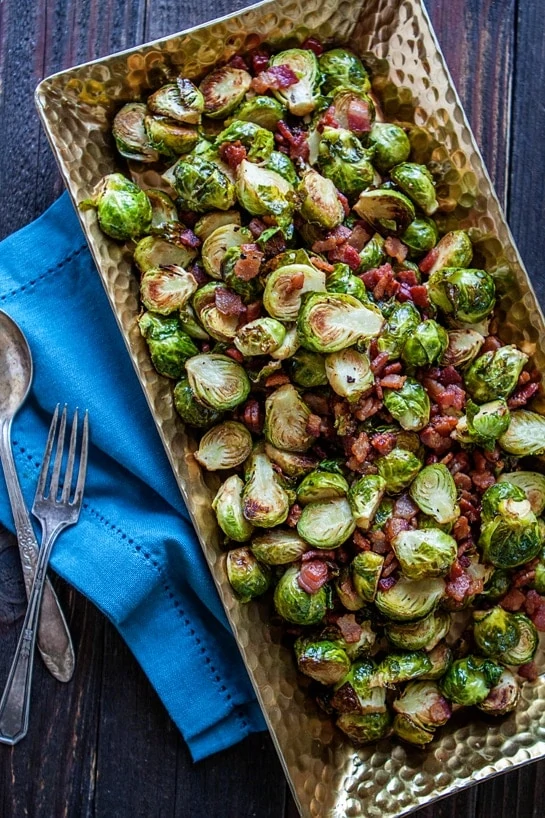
(328, 776)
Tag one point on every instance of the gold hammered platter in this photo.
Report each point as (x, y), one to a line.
(328, 776)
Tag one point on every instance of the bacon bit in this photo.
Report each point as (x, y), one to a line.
(312, 576)
(535, 608)
(259, 59)
(296, 282)
(491, 344)
(405, 508)
(328, 120)
(395, 248)
(319, 553)
(359, 238)
(429, 260)
(378, 389)
(419, 294)
(404, 293)
(480, 461)
(360, 447)
(345, 254)
(385, 583)
(274, 246)
(513, 600)
(391, 567)
(386, 285)
(234, 353)
(294, 514)
(447, 375)
(178, 234)
(482, 480)
(361, 542)
(228, 302)
(459, 587)
(378, 541)
(524, 577)
(366, 408)
(460, 530)
(253, 311)
(349, 628)
(199, 274)
(463, 481)
(453, 396)
(344, 422)
(371, 277)
(524, 378)
(344, 202)
(394, 526)
(252, 416)
(232, 153)
(188, 217)
(378, 363)
(528, 671)
(434, 438)
(393, 369)
(296, 139)
(359, 116)
(383, 442)
(317, 404)
(256, 227)
(522, 395)
(238, 62)
(275, 78)
(322, 264)
(312, 44)
(249, 263)
(333, 239)
(407, 277)
(314, 425)
(393, 381)
(276, 379)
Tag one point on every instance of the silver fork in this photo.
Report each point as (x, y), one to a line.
(54, 514)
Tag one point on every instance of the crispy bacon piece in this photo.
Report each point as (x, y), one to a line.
(247, 266)
(349, 628)
(322, 264)
(344, 201)
(394, 525)
(320, 554)
(383, 442)
(276, 379)
(294, 514)
(312, 44)
(345, 254)
(405, 508)
(361, 542)
(393, 381)
(419, 296)
(359, 116)
(452, 396)
(256, 227)
(393, 369)
(491, 344)
(513, 600)
(259, 59)
(334, 238)
(235, 354)
(238, 62)
(407, 277)
(389, 567)
(232, 153)
(460, 530)
(429, 260)
(313, 575)
(199, 274)
(314, 425)
(529, 671)
(295, 138)
(395, 248)
(361, 446)
(275, 78)
(522, 395)
(366, 408)
(252, 416)
(482, 480)
(228, 302)
(359, 238)
(385, 583)
(379, 362)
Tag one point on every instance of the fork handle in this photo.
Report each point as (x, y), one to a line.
(15, 703)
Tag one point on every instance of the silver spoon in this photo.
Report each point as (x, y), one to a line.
(54, 642)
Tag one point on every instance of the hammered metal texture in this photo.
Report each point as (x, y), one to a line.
(327, 775)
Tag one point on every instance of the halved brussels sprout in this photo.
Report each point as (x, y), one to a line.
(218, 243)
(358, 692)
(166, 289)
(225, 446)
(263, 111)
(169, 138)
(420, 236)
(293, 464)
(402, 321)
(496, 586)
(513, 536)
(219, 325)
(533, 485)
(180, 101)
(345, 102)
(410, 405)
(168, 344)
(426, 344)
(410, 599)
(525, 647)
(259, 142)
(366, 728)
(326, 524)
(495, 631)
(227, 505)
(248, 289)
(152, 252)
(389, 212)
(246, 576)
(434, 491)
(343, 160)
(365, 496)
(417, 183)
(286, 418)
(201, 184)
(346, 590)
(398, 469)
(366, 569)
(525, 435)
(322, 660)
(503, 697)
(224, 89)
(289, 345)
(278, 547)
(441, 658)
(373, 254)
(495, 374)
(486, 423)
(294, 604)
(123, 210)
(398, 667)
(320, 203)
(216, 218)
(423, 706)
(217, 380)
(469, 295)
(391, 145)
(130, 135)
(321, 485)
(265, 502)
(407, 729)
(463, 346)
(264, 192)
(302, 96)
(329, 323)
(497, 494)
(191, 410)
(453, 250)
(260, 337)
(349, 373)
(163, 211)
(424, 553)
(469, 681)
(307, 369)
(342, 280)
(423, 634)
(285, 287)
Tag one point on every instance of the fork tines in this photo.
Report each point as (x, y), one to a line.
(52, 494)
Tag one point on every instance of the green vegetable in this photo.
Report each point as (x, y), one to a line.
(278, 547)
(286, 418)
(322, 660)
(424, 553)
(402, 322)
(319, 200)
(129, 132)
(467, 295)
(417, 183)
(327, 523)
(166, 289)
(202, 185)
(366, 569)
(321, 485)
(503, 697)
(224, 89)
(258, 141)
(294, 604)
(391, 145)
(329, 323)
(217, 380)
(435, 493)
(227, 505)
(349, 373)
(191, 410)
(224, 446)
(495, 374)
(525, 435)
(180, 101)
(426, 344)
(218, 242)
(398, 469)
(410, 599)
(123, 210)
(341, 68)
(469, 681)
(365, 496)
(343, 160)
(168, 344)
(265, 502)
(410, 405)
(420, 236)
(246, 576)
(263, 111)
(301, 97)
(260, 337)
(389, 212)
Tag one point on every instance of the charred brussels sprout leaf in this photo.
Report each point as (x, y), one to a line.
(294, 604)
(364, 728)
(391, 145)
(389, 212)
(373, 254)
(224, 89)
(247, 577)
(263, 111)
(218, 243)
(326, 524)
(349, 373)
(225, 446)
(123, 210)
(424, 553)
(170, 138)
(322, 660)
(286, 418)
(321, 485)
(166, 289)
(435, 493)
(286, 286)
(191, 410)
(402, 321)
(366, 569)
(358, 691)
(129, 132)
(453, 250)
(398, 469)
(259, 142)
(525, 435)
(468, 295)
(180, 101)
(201, 185)
(278, 547)
(503, 697)
(410, 405)
(227, 505)
(301, 97)
(319, 201)
(260, 337)
(410, 599)
(365, 496)
(342, 69)
(307, 369)
(217, 380)
(426, 344)
(417, 183)
(425, 633)
(420, 236)
(469, 681)
(400, 667)
(495, 631)
(329, 323)
(292, 464)
(533, 485)
(463, 346)
(264, 192)
(265, 502)
(495, 374)
(168, 344)
(343, 160)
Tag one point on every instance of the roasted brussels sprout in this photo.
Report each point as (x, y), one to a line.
(349, 373)
(219, 325)
(301, 97)
(278, 547)
(453, 250)
(417, 183)
(408, 730)
(227, 505)
(469, 681)
(389, 212)
(307, 369)
(202, 185)
(169, 138)
(343, 160)
(180, 101)
(320, 203)
(168, 344)
(326, 524)
(225, 446)
(484, 424)
(216, 218)
(191, 410)
(525, 435)
(410, 405)
(391, 145)
(321, 485)
(129, 132)
(224, 89)
(263, 111)
(260, 337)
(366, 728)
(123, 210)
(329, 323)
(373, 254)
(265, 501)
(495, 631)
(503, 696)
(365, 570)
(264, 192)
(401, 666)
(358, 691)
(259, 142)
(434, 491)
(292, 464)
(247, 577)
(420, 709)
(346, 591)
(342, 69)
(218, 243)
(410, 599)
(423, 634)
(426, 344)
(420, 236)
(152, 252)
(296, 605)
(365, 496)
(525, 647)
(289, 345)
(217, 380)
(322, 660)
(441, 658)
(533, 485)
(286, 418)
(424, 553)
(468, 295)
(342, 280)
(164, 215)
(166, 289)
(512, 536)
(402, 321)
(495, 374)
(398, 469)
(463, 346)
(281, 298)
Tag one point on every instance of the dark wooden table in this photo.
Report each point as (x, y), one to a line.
(104, 746)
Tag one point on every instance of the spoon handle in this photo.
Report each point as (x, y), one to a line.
(54, 642)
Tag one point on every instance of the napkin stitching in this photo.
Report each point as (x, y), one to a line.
(45, 274)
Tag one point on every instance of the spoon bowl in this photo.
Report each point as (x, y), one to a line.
(15, 367)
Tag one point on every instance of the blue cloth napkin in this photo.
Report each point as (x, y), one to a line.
(134, 552)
